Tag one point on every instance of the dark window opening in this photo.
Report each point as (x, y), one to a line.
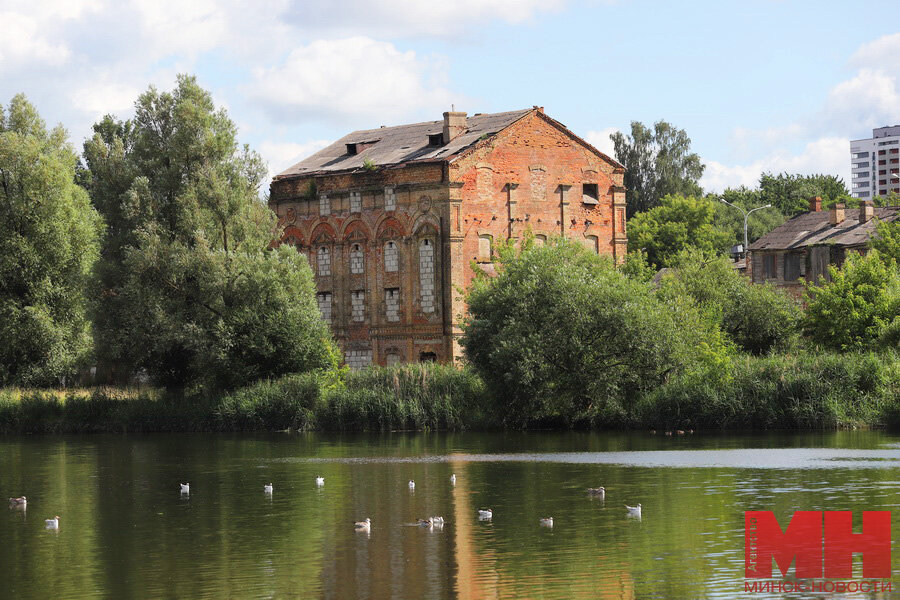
(427, 357)
(354, 148)
(589, 194)
(435, 139)
(769, 270)
(791, 267)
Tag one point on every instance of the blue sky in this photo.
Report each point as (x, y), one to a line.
(758, 86)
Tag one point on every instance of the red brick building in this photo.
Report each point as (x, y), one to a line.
(391, 220)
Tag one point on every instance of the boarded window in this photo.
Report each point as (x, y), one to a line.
(391, 257)
(392, 304)
(589, 194)
(355, 202)
(324, 301)
(769, 269)
(392, 358)
(390, 199)
(324, 260)
(359, 359)
(357, 260)
(791, 266)
(324, 205)
(358, 305)
(426, 275)
(484, 248)
(592, 243)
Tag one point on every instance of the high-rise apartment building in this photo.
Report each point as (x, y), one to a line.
(875, 163)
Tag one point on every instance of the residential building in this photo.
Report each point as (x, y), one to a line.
(804, 247)
(396, 220)
(875, 163)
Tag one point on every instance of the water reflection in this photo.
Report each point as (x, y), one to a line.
(126, 530)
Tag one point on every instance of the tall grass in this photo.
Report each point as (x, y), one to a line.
(802, 391)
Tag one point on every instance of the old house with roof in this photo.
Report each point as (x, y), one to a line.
(393, 219)
(804, 247)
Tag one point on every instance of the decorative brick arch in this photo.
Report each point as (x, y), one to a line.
(356, 229)
(291, 232)
(323, 233)
(389, 227)
(426, 225)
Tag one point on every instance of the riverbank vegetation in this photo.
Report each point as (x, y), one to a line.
(152, 261)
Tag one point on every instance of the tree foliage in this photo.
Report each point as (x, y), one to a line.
(729, 218)
(887, 241)
(48, 243)
(859, 308)
(658, 162)
(188, 288)
(679, 222)
(757, 318)
(790, 194)
(561, 335)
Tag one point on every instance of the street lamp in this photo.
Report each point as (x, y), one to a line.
(746, 216)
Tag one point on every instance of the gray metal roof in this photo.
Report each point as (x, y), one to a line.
(402, 143)
(813, 228)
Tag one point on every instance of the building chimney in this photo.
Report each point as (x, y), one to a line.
(866, 211)
(454, 125)
(837, 214)
(815, 204)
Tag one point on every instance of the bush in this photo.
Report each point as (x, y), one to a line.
(860, 306)
(561, 336)
(807, 391)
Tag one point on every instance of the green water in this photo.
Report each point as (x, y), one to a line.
(127, 532)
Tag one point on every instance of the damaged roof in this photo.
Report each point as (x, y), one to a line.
(400, 144)
(814, 228)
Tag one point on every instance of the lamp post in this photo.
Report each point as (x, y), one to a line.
(746, 216)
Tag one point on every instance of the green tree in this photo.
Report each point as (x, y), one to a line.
(887, 241)
(679, 222)
(727, 217)
(860, 306)
(790, 194)
(658, 162)
(757, 318)
(188, 287)
(561, 335)
(48, 243)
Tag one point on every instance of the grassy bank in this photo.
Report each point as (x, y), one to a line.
(408, 397)
(802, 391)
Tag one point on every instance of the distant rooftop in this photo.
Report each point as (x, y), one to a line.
(813, 228)
(401, 144)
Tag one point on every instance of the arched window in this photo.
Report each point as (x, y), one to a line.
(391, 257)
(357, 259)
(426, 274)
(392, 357)
(324, 260)
(592, 243)
(540, 239)
(324, 301)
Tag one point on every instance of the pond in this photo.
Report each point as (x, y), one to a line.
(125, 530)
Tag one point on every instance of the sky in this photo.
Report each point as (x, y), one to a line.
(759, 86)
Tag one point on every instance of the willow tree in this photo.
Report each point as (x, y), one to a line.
(48, 244)
(189, 289)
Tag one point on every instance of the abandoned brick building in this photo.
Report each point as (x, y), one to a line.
(802, 248)
(392, 219)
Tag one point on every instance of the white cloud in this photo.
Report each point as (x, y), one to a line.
(357, 77)
(22, 43)
(883, 53)
(412, 18)
(829, 155)
(600, 140)
(105, 97)
(281, 155)
(870, 99)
